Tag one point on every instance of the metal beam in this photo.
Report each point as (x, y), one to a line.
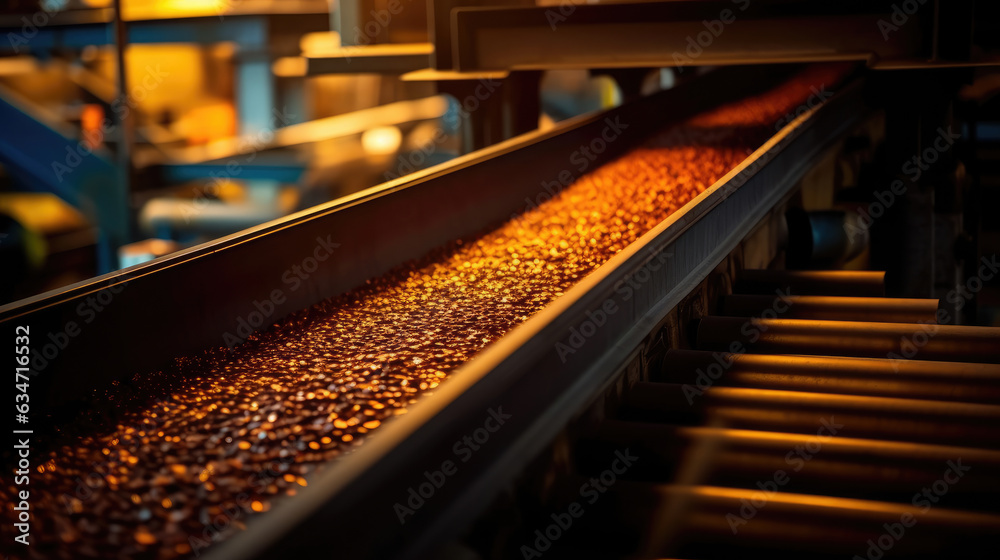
(374, 59)
(49, 160)
(684, 33)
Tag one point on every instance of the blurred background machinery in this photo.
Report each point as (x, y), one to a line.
(135, 128)
(126, 138)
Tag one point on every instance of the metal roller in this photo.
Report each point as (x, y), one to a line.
(899, 341)
(924, 421)
(812, 282)
(836, 466)
(698, 521)
(832, 308)
(916, 379)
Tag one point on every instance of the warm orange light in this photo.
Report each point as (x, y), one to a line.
(142, 536)
(381, 140)
(210, 123)
(289, 67)
(150, 9)
(91, 125)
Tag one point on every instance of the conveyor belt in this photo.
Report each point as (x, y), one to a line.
(220, 425)
(763, 450)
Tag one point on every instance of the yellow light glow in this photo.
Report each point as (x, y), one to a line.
(381, 140)
(289, 67)
(154, 9)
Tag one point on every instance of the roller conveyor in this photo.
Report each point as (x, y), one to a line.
(734, 456)
(788, 525)
(812, 282)
(833, 308)
(862, 339)
(918, 379)
(848, 466)
(517, 360)
(795, 411)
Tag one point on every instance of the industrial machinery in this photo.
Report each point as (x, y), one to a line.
(745, 314)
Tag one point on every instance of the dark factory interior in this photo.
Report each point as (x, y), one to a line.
(500, 279)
